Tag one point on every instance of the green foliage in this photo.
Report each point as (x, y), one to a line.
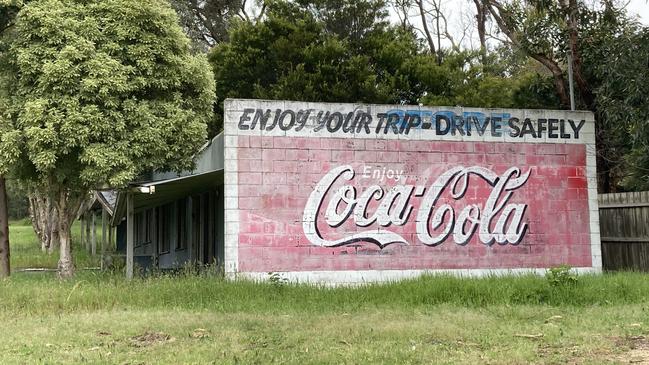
(312, 52)
(534, 90)
(206, 21)
(561, 276)
(502, 83)
(622, 95)
(18, 202)
(99, 91)
(276, 280)
(352, 20)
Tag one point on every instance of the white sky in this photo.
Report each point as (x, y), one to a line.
(641, 8)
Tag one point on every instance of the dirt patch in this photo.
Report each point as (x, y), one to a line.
(150, 339)
(638, 350)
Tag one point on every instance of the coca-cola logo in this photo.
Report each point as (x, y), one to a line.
(495, 221)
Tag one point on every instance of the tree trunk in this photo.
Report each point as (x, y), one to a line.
(54, 238)
(481, 18)
(43, 216)
(5, 264)
(439, 35)
(66, 265)
(429, 37)
(33, 214)
(562, 91)
(557, 75)
(35, 217)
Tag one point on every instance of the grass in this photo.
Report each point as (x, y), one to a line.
(26, 251)
(201, 318)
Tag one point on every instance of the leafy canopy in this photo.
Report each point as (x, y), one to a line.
(346, 51)
(100, 91)
(504, 82)
(308, 51)
(623, 107)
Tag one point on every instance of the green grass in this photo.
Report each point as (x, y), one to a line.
(197, 319)
(26, 250)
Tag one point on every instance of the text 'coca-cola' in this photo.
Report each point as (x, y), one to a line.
(495, 221)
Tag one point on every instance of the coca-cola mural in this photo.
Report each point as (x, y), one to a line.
(435, 222)
(373, 192)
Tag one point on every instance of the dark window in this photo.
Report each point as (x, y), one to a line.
(149, 226)
(140, 229)
(136, 229)
(165, 215)
(207, 228)
(181, 224)
(196, 225)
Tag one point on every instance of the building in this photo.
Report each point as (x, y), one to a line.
(176, 218)
(347, 193)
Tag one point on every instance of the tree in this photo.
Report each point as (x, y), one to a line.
(18, 201)
(623, 110)
(44, 218)
(98, 92)
(348, 19)
(41, 210)
(8, 10)
(550, 32)
(5, 256)
(206, 21)
(312, 52)
(504, 81)
(532, 27)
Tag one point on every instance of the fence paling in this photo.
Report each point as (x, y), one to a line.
(624, 230)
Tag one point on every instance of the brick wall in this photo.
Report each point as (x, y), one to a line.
(298, 199)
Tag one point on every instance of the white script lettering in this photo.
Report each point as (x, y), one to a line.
(434, 223)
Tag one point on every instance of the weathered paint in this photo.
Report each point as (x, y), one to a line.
(353, 193)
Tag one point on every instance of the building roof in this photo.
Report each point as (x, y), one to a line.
(167, 191)
(105, 199)
(170, 186)
(208, 158)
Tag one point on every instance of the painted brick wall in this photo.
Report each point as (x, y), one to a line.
(282, 216)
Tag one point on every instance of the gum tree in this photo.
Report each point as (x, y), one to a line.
(97, 93)
(8, 10)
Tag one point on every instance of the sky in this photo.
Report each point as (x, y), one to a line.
(641, 8)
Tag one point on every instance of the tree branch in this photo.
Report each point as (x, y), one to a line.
(481, 19)
(243, 10)
(447, 35)
(498, 11)
(429, 37)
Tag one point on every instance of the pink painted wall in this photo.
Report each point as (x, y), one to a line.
(277, 175)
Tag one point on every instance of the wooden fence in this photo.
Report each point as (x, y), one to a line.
(624, 230)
